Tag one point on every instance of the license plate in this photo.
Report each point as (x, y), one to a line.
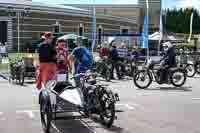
(61, 77)
(140, 67)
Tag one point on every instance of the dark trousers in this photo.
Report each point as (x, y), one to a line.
(115, 65)
(163, 73)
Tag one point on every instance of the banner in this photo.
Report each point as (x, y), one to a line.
(94, 29)
(145, 34)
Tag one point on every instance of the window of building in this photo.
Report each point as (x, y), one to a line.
(124, 30)
(80, 30)
(100, 31)
(57, 27)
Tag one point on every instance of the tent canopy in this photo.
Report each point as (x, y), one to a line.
(156, 36)
(70, 36)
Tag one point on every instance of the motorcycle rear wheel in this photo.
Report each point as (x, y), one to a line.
(174, 77)
(107, 114)
(142, 75)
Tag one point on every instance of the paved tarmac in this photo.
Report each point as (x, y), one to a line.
(159, 109)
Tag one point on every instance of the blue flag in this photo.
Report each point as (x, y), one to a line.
(145, 34)
(94, 29)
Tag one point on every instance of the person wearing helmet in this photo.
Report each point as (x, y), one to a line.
(168, 60)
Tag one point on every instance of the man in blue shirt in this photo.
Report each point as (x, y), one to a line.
(81, 58)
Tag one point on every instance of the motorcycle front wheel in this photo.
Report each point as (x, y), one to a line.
(142, 79)
(107, 114)
(178, 78)
(190, 70)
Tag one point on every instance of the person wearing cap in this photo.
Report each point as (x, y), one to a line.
(62, 57)
(47, 61)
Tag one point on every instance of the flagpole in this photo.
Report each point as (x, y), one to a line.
(160, 32)
(191, 22)
(147, 5)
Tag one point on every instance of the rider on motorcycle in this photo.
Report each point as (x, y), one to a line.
(168, 60)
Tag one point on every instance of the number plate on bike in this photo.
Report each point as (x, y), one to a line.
(140, 67)
(61, 77)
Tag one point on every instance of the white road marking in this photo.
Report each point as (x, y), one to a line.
(28, 112)
(129, 107)
(126, 105)
(195, 98)
(1, 113)
(91, 129)
(54, 127)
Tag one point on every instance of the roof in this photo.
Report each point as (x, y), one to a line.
(55, 9)
(18, 4)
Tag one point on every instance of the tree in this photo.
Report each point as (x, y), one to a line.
(178, 21)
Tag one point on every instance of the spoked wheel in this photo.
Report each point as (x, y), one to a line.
(178, 78)
(197, 67)
(46, 117)
(107, 114)
(190, 70)
(142, 79)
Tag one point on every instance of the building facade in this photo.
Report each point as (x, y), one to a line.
(23, 23)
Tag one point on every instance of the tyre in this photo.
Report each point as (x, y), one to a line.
(190, 69)
(197, 67)
(178, 78)
(46, 116)
(142, 76)
(107, 114)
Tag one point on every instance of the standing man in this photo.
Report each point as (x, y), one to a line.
(114, 57)
(47, 61)
(81, 58)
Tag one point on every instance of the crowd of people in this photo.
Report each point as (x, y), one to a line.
(53, 60)
(58, 59)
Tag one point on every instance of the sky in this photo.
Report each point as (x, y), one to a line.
(165, 3)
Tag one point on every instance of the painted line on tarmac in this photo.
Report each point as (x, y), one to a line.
(195, 98)
(30, 113)
(55, 128)
(88, 127)
(126, 106)
(1, 113)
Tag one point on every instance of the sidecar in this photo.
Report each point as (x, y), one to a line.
(58, 99)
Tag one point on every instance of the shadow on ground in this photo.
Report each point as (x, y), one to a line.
(184, 88)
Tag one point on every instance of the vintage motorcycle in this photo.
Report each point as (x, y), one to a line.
(103, 67)
(87, 99)
(143, 78)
